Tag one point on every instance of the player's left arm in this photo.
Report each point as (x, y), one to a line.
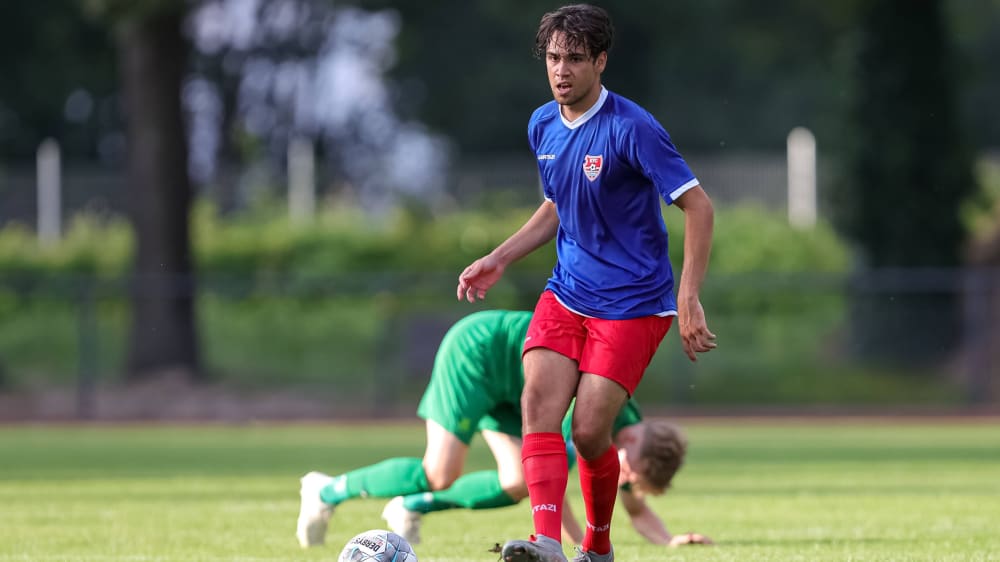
(647, 146)
(650, 526)
(699, 219)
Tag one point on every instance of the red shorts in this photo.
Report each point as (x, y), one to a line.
(619, 350)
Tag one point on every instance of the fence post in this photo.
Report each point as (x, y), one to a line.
(979, 333)
(87, 342)
(49, 178)
(801, 178)
(301, 179)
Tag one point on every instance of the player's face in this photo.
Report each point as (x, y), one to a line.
(628, 456)
(574, 77)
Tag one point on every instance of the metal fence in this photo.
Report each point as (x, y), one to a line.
(730, 178)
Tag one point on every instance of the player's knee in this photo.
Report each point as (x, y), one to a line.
(590, 441)
(532, 401)
(516, 490)
(442, 479)
(513, 484)
(541, 412)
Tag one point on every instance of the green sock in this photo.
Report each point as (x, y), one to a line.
(476, 490)
(387, 479)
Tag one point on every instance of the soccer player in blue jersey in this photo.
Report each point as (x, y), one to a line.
(605, 163)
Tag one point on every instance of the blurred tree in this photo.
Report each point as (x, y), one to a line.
(483, 60)
(273, 71)
(909, 173)
(718, 73)
(977, 34)
(153, 57)
(58, 80)
(715, 72)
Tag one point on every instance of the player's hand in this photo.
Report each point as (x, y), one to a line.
(689, 538)
(695, 336)
(478, 278)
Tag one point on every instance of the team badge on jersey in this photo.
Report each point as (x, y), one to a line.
(592, 166)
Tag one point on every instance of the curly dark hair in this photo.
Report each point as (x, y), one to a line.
(583, 25)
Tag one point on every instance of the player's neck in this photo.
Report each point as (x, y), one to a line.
(575, 111)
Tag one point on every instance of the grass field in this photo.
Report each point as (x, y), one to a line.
(786, 490)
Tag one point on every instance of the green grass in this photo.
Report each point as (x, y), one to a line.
(773, 491)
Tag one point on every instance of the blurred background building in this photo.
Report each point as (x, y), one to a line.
(261, 206)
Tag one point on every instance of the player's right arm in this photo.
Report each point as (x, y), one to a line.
(571, 530)
(477, 279)
(650, 526)
(645, 521)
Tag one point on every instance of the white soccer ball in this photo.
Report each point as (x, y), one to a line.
(377, 545)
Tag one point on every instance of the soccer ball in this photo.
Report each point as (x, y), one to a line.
(377, 545)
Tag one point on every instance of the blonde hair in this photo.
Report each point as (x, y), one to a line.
(661, 453)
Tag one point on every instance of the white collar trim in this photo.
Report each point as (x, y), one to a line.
(587, 114)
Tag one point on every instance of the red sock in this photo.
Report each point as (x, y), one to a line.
(546, 471)
(599, 481)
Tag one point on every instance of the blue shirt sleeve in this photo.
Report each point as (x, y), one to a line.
(649, 150)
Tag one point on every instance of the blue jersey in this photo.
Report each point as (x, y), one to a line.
(606, 172)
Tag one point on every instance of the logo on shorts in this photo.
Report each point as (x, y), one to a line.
(592, 166)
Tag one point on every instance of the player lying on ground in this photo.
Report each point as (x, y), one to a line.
(475, 387)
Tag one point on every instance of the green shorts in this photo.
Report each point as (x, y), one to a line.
(477, 378)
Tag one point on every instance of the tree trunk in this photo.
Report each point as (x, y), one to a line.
(910, 175)
(163, 337)
(982, 306)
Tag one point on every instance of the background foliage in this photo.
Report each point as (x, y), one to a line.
(726, 80)
(262, 242)
(348, 301)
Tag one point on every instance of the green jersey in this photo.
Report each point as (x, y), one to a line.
(477, 378)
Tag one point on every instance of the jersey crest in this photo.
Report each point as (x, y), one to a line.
(592, 166)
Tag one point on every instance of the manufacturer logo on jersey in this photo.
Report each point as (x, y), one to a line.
(592, 166)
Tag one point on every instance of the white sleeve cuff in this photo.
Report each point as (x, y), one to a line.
(680, 190)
